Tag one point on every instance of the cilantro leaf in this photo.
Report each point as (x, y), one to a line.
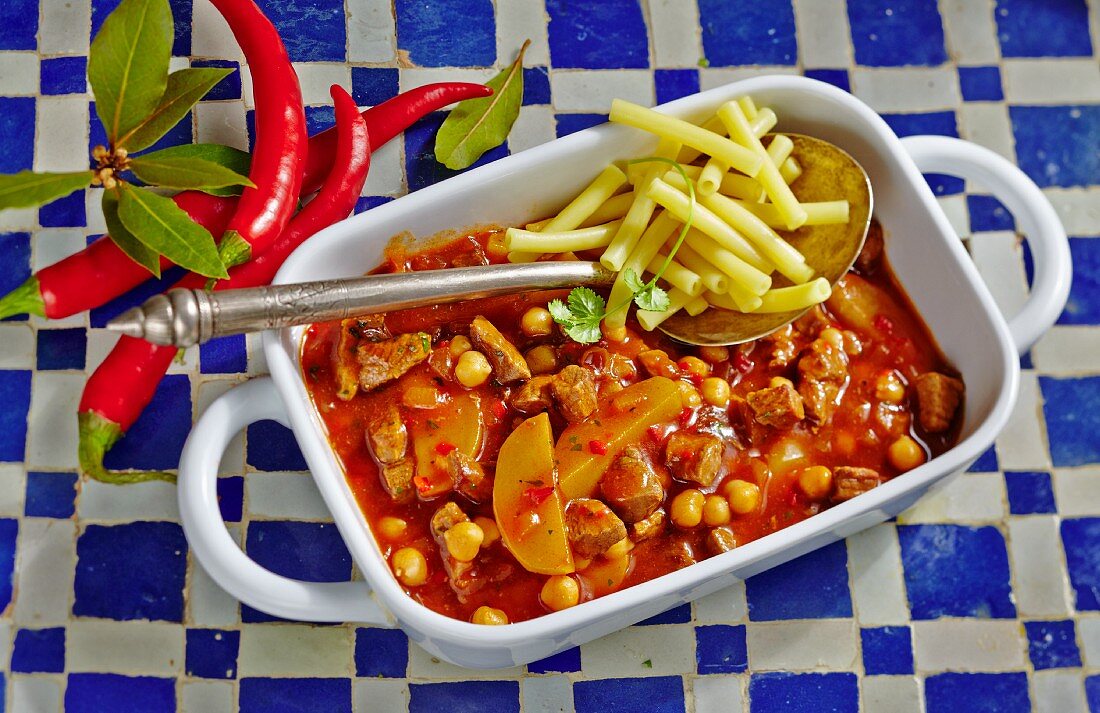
(584, 333)
(586, 305)
(580, 315)
(559, 312)
(653, 298)
(632, 280)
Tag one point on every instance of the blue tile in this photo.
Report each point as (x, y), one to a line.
(228, 88)
(1083, 305)
(19, 25)
(606, 35)
(9, 533)
(675, 615)
(814, 586)
(176, 136)
(1092, 693)
(572, 123)
(1081, 540)
(988, 214)
(225, 355)
(421, 168)
(318, 118)
(887, 650)
(63, 75)
(271, 446)
(803, 693)
(567, 661)
(464, 697)
(295, 695)
(952, 570)
(131, 571)
(231, 497)
(303, 550)
(426, 30)
(675, 83)
(659, 694)
(59, 349)
(155, 441)
(759, 32)
(212, 653)
(67, 212)
(981, 84)
(16, 129)
(15, 264)
(986, 463)
(315, 31)
(536, 85)
(382, 653)
(39, 651)
(373, 85)
(837, 77)
(1052, 644)
(941, 123)
(100, 316)
(888, 33)
(1052, 28)
(976, 693)
(15, 394)
(50, 495)
(1072, 419)
(720, 649)
(1056, 145)
(112, 693)
(365, 203)
(181, 21)
(1029, 493)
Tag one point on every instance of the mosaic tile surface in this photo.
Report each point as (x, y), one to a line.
(983, 597)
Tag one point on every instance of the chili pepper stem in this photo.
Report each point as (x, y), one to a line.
(25, 299)
(233, 249)
(96, 436)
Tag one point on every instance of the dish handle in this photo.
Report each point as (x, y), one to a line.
(215, 549)
(1034, 214)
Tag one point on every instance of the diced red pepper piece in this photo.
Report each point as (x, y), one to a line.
(883, 324)
(500, 410)
(536, 496)
(423, 485)
(686, 417)
(742, 363)
(597, 447)
(444, 448)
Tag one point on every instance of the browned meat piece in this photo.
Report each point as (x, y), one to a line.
(777, 406)
(508, 364)
(783, 346)
(811, 323)
(447, 516)
(631, 486)
(462, 576)
(592, 527)
(647, 528)
(938, 398)
(721, 539)
(397, 479)
(387, 438)
(353, 331)
(849, 482)
(824, 371)
(442, 363)
(533, 396)
(468, 476)
(574, 390)
(380, 362)
(657, 363)
(694, 456)
(868, 258)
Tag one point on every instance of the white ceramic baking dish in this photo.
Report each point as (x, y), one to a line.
(925, 252)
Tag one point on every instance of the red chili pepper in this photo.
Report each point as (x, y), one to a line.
(535, 496)
(444, 448)
(883, 324)
(125, 382)
(102, 272)
(742, 363)
(597, 447)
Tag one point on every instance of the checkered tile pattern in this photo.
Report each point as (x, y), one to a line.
(985, 596)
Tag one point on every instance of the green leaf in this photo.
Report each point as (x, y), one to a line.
(128, 63)
(633, 281)
(183, 91)
(559, 312)
(27, 188)
(581, 316)
(161, 225)
(124, 239)
(477, 125)
(185, 173)
(585, 304)
(653, 298)
(234, 159)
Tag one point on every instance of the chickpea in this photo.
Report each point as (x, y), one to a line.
(714, 355)
(833, 336)
(689, 395)
(560, 592)
(743, 496)
(852, 345)
(905, 454)
(780, 381)
(716, 392)
(392, 527)
(618, 550)
(459, 346)
(687, 508)
(542, 359)
(613, 334)
(888, 388)
(693, 366)
(409, 566)
(472, 369)
(816, 481)
(489, 616)
(716, 510)
(536, 322)
(464, 541)
(489, 529)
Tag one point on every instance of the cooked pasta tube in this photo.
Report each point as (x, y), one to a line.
(737, 156)
(740, 271)
(713, 279)
(517, 240)
(769, 177)
(798, 297)
(748, 106)
(737, 300)
(650, 319)
(710, 178)
(764, 122)
(676, 275)
(733, 184)
(613, 208)
(641, 210)
(820, 213)
(697, 306)
(648, 246)
(790, 170)
(780, 149)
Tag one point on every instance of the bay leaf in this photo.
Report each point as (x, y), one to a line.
(185, 173)
(184, 89)
(124, 239)
(161, 225)
(27, 188)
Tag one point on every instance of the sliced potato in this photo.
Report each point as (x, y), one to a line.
(437, 431)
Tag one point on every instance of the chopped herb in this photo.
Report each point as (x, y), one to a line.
(610, 582)
(425, 341)
(574, 439)
(648, 663)
(576, 447)
(314, 372)
(704, 62)
(432, 425)
(550, 532)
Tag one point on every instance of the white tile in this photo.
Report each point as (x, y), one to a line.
(18, 73)
(970, 31)
(221, 123)
(716, 77)
(62, 136)
(185, 362)
(295, 650)
(387, 170)
(6, 635)
(154, 500)
(379, 695)
(232, 462)
(802, 645)
(51, 426)
(207, 697)
(1077, 491)
(207, 603)
(1066, 350)
(878, 590)
(423, 665)
(891, 694)
(969, 497)
(17, 350)
(957, 213)
(1088, 633)
(19, 219)
(131, 647)
(210, 34)
(371, 31)
(1058, 692)
(1039, 578)
(592, 90)
(316, 78)
(547, 694)
(100, 344)
(518, 20)
(668, 649)
(989, 126)
(724, 606)
(257, 362)
(1022, 443)
(907, 89)
(35, 694)
(968, 645)
(53, 244)
(823, 35)
(674, 27)
(44, 578)
(93, 199)
(534, 126)
(248, 95)
(64, 27)
(719, 694)
(412, 77)
(285, 495)
(1051, 81)
(1079, 208)
(13, 484)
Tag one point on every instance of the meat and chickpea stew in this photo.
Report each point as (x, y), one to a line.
(508, 471)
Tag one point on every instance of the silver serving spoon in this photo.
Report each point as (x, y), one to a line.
(183, 317)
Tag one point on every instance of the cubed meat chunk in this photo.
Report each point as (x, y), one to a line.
(397, 480)
(381, 362)
(468, 476)
(353, 331)
(938, 398)
(574, 390)
(657, 363)
(777, 406)
(868, 258)
(824, 371)
(649, 527)
(631, 486)
(592, 527)
(533, 396)
(508, 364)
(694, 456)
(849, 482)
(387, 437)
(447, 516)
(721, 539)
(783, 346)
